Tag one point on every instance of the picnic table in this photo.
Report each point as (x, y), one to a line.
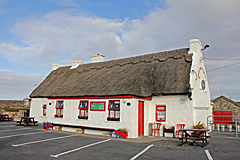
(5, 117)
(27, 121)
(201, 136)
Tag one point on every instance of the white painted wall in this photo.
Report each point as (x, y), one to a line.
(178, 110)
(200, 97)
(95, 118)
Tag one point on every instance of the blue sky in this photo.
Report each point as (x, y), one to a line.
(34, 34)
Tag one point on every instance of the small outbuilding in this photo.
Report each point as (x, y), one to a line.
(170, 87)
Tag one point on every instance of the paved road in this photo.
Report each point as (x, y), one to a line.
(35, 143)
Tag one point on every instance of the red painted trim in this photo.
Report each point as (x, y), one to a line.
(103, 97)
(160, 110)
(113, 105)
(113, 108)
(44, 109)
(84, 104)
(98, 102)
(59, 108)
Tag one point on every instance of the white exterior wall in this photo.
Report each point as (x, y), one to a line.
(178, 110)
(200, 96)
(98, 119)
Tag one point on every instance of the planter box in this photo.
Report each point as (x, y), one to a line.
(113, 119)
(82, 117)
(58, 116)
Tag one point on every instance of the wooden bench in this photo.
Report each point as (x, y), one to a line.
(203, 139)
(27, 121)
(168, 130)
(5, 117)
(33, 123)
(19, 123)
(201, 136)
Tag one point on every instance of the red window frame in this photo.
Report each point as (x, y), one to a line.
(97, 102)
(84, 108)
(113, 108)
(162, 109)
(44, 107)
(59, 108)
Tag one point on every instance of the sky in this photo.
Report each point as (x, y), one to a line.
(34, 34)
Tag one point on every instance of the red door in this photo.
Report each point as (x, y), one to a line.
(140, 117)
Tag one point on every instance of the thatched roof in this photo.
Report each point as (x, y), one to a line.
(147, 75)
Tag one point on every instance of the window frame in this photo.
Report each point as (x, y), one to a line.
(161, 110)
(44, 107)
(113, 118)
(60, 108)
(84, 109)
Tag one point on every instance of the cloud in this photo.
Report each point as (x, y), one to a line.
(71, 35)
(59, 34)
(17, 85)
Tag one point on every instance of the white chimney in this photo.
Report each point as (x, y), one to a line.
(195, 45)
(97, 58)
(56, 66)
(76, 63)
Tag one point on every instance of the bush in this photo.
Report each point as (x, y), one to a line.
(199, 125)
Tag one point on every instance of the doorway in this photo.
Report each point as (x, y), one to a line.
(140, 118)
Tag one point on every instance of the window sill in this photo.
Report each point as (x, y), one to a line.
(58, 116)
(86, 118)
(113, 119)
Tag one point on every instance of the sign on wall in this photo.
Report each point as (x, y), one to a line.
(26, 102)
(97, 106)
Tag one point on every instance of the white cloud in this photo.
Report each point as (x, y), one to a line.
(61, 34)
(17, 85)
(67, 35)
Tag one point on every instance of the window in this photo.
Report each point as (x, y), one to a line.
(44, 107)
(59, 109)
(83, 110)
(161, 113)
(114, 111)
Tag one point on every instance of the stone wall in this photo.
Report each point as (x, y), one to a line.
(224, 104)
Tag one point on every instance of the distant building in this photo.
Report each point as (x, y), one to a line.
(170, 87)
(223, 103)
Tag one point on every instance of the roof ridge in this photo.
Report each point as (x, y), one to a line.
(161, 56)
(227, 99)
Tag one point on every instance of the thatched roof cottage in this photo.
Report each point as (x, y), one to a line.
(170, 87)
